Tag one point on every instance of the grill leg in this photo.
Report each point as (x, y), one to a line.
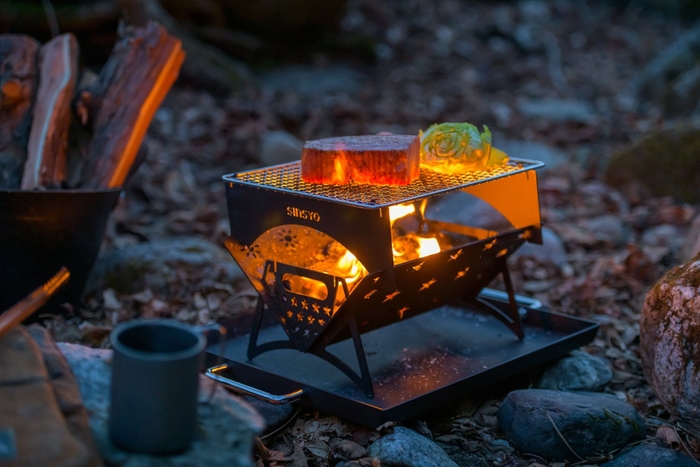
(511, 318)
(364, 380)
(253, 348)
(517, 325)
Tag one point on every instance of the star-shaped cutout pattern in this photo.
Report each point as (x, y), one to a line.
(426, 285)
(294, 301)
(524, 235)
(418, 266)
(453, 257)
(402, 311)
(502, 252)
(304, 305)
(316, 307)
(391, 296)
(369, 294)
(327, 310)
(489, 245)
(462, 273)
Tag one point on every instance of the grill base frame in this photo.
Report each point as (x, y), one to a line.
(471, 351)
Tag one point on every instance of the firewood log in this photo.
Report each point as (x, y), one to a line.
(139, 73)
(48, 140)
(18, 83)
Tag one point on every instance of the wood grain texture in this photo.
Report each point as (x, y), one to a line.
(46, 164)
(139, 73)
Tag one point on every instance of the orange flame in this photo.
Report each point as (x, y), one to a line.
(405, 248)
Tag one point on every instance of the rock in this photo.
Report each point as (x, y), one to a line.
(552, 249)
(665, 163)
(406, 448)
(278, 147)
(552, 157)
(227, 425)
(557, 110)
(465, 209)
(65, 389)
(274, 414)
(591, 423)
(33, 428)
(607, 229)
(669, 334)
(650, 455)
(672, 79)
(579, 371)
(662, 242)
(153, 265)
(310, 82)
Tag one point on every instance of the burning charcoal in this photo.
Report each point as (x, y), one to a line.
(373, 159)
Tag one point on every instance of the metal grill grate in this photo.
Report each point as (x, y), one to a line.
(287, 178)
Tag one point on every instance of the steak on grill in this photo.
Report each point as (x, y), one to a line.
(369, 159)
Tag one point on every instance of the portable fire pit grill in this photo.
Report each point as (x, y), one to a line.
(342, 268)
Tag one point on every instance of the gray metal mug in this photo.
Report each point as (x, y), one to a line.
(155, 379)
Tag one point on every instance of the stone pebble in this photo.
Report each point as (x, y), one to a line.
(406, 448)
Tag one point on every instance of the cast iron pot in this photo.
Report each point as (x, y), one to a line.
(40, 231)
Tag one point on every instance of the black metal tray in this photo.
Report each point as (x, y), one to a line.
(417, 364)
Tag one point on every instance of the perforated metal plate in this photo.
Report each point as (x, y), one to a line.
(287, 178)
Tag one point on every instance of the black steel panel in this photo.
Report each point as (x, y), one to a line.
(365, 232)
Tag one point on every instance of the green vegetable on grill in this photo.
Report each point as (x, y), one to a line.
(458, 147)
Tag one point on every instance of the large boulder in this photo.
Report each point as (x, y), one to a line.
(664, 163)
(161, 265)
(536, 420)
(669, 335)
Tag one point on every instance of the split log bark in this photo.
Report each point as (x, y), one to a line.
(121, 104)
(46, 164)
(18, 84)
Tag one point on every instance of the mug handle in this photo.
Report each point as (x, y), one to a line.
(241, 388)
